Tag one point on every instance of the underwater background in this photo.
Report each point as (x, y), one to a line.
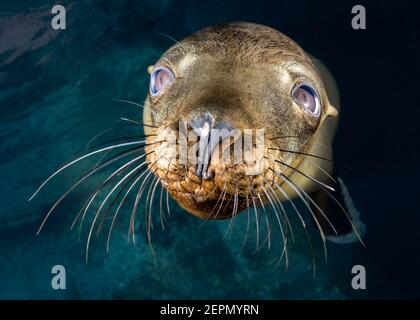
(58, 90)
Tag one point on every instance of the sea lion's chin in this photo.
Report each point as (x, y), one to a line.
(214, 198)
(210, 209)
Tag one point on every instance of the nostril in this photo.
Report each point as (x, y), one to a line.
(197, 171)
(209, 174)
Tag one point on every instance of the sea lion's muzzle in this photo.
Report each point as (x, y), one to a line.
(200, 161)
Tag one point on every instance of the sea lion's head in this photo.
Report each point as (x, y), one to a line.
(237, 77)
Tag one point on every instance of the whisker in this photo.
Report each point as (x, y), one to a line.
(103, 203)
(297, 137)
(302, 222)
(74, 186)
(108, 179)
(268, 231)
(167, 203)
(282, 210)
(291, 202)
(120, 205)
(234, 212)
(105, 215)
(101, 159)
(214, 189)
(147, 213)
(181, 45)
(210, 193)
(267, 237)
(138, 105)
(100, 134)
(217, 202)
(261, 202)
(280, 226)
(256, 220)
(137, 122)
(156, 182)
(123, 138)
(131, 226)
(284, 137)
(304, 174)
(228, 201)
(136, 203)
(96, 168)
(167, 193)
(302, 153)
(84, 157)
(161, 213)
(323, 171)
(296, 188)
(247, 225)
(221, 203)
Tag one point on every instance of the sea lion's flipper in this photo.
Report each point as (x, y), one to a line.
(347, 223)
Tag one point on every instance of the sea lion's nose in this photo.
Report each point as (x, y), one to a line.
(210, 134)
(202, 125)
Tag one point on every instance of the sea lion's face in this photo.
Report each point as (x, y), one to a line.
(238, 81)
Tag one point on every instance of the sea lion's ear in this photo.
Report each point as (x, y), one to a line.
(333, 103)
(150, 69)
(331, 111)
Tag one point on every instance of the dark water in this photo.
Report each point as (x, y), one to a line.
(56, 93)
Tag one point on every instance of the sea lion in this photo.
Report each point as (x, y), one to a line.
(243, 76)
(219, 86)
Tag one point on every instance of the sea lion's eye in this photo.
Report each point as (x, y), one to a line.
(307, 98)
(160, 79)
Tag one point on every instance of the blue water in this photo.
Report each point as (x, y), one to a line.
(57, 91)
